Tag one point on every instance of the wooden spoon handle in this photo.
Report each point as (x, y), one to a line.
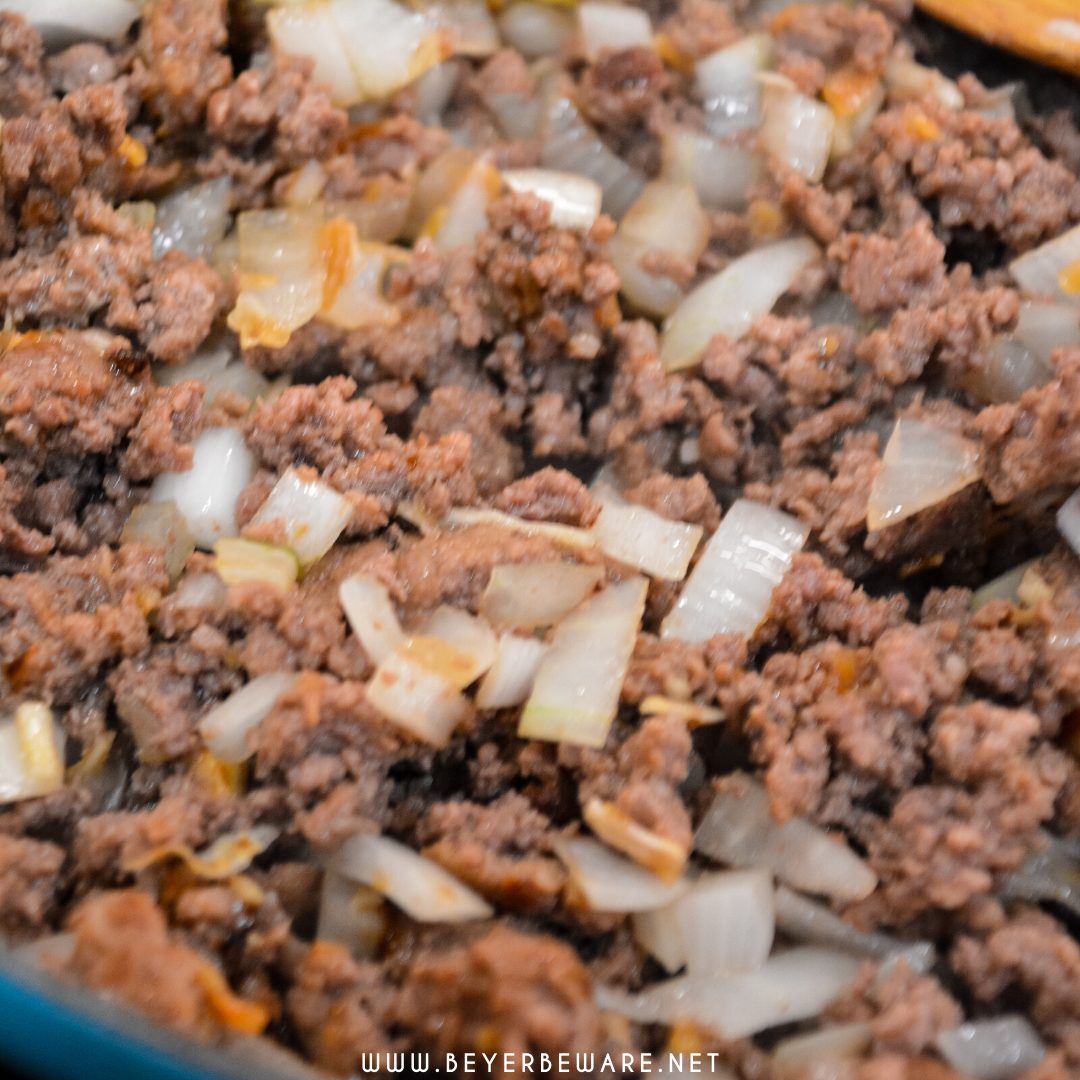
(1043, 30)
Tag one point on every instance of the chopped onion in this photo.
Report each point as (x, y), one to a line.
(434, 89)
(303, 186)
(536, 29)
(906, 79)
(1050, 874)
(207, 493)
(739, 829)
(726, 922)
(575, 200)
(797, 130)
(528, 596)
(199, 590)
(465, 216)
(473, 638)
(225, 727)
(730, 588)
(161, 525)
(62, 21)
(720, 172)
(835, 1043)
(608, 882)
(731, 300)
(313, 515)
(576, 692)
(1046, 325)
(359, 300)
(658, 854)
(728, 86)
(606, 25)
(421, 888)
(464, 517)
(371, 614)
(658, 933)
(194, 219)
(31, 753)
(239, 379)
(1011, 368)
(510, 678)
(996, 1049)
(351, 915)
(210, 360)
(922, 466)
(517, 115)
(694, 714)
(468, 25)
(417, 689)
(243, 562)
(230, 854)
(637, 536)
(1004, 587)
(1053, 268)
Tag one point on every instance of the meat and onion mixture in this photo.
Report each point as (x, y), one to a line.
(542, 526)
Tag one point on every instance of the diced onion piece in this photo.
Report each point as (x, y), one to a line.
(161, 525)
(528, 596)
(517, 115)
(797, 130)
(536, 29)
(313, 515)
(63, 21)
(510, 678)
(1011, 368)
(237, 379)
(421, 888)
(199, 590)
(207, 493)
(1068, 520)
(637, 536)
(658, 854)
(359, 300)
(739, 829)
(728, 86)
(607, 25)
(309, 29)
(922, 466)
(243, 562)
(1004, 587)
(380, 212)
(1046, 325)
(835, 1043)
(1053, 268)
(694, 714)
(210, 360)
(576, 693)
(726, 922)
(1052, 873)
(225, 727)
(31, 753)
(465, 216)
(434, 90)
(232, 853)
(575, 200)
(468, 25)
(351, 915)
(731, 300)
(371, 614)
(193, 220)
(470, 636)
(658, 933)
(422, 701)
(608, 882)
(997, 1049)
(906, 79)
(303, 186)
(464, 517)
(720, 172)
(730, 588)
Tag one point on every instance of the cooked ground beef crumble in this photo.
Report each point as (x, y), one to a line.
(935, 736)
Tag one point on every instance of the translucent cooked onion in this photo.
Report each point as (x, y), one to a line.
(728, 86)
(720, 172)
(739, 829)
(509, 680)
(922, 466)
(237, 378)
(638, 537)
(207, 493)
(469, 635)
(161, 525)
(312, 514)
(658, 854)
(726, 922)
(351, 915)
(199, 590)
(997, 1049)
(464, 216)
(371, 614)
(536, 29)
(608, 882)
(610, 25)
(464, 517)
(1052, 269)
(731, 300)
(468, 25)
(244, 562)
(797, 130)
(658, 933)
(1045, 325)
(420, 887)
(62, 21)
(835, 1043)
(193, 220)
(230, 854)
(576, 692)
(1051, 874)
(730, 588)
(225, 727)
(908, 80)
(359, 301)
(1011, 368)
(1003, 587)
(31, 753)
(528, 596)
(417, 697)
(575, 200)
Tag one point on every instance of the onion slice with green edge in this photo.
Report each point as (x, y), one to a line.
(372, 616)
(998, 1049)
(245, 562)
(728, 86)
(509, 680)
(730, 301)
(31, 753)
(574, 200)
(922, 466)
(529, 596)
(421, 888)
(739, 829)
(576, 692)
(638, 537)
(730, 588)
(609, 25)
(313, 515)
(796, 130)
(1052, 269)
(225, 727)
(608, 882)
(1003, 587)
(351, 915)
(467, 634)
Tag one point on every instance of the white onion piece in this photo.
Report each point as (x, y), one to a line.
(425, 702)
(1004, 587)
(31, 753)
(199, 590)
(997, 1049)
(434, 89)
(517, 115)
(509, 680)
(536, 29)
(659, 934)
(731, 300)
(576, 692)
(464, 217)
(638, 537)
(351, 915)
(657, 853)
(359, 302)
(575, 200)
(720, 172)
(311, 30)
(730, 588)
(728, 86)
(726, 921)
(1052, 269)
(608, 882)
(207, 493)
(468, 25)
(607, 25)
(528, 596)
(739, 829)
(194, 219)
(237, 379)
(210, 360)
(1068, 520)
(906, 79)
(62, 21)
(797, 130)
(224, 728)
(421, 888)
(371, 615)
(464, 517)
(473, 638)
(1050, 874)
(1046, 325)
(161, 525)
(836, 1043)
(922, 466)
(312, 512)
(1011, 368)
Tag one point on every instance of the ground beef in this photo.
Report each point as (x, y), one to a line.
(28, 882)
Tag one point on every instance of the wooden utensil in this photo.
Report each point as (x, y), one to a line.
(1043, 30)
